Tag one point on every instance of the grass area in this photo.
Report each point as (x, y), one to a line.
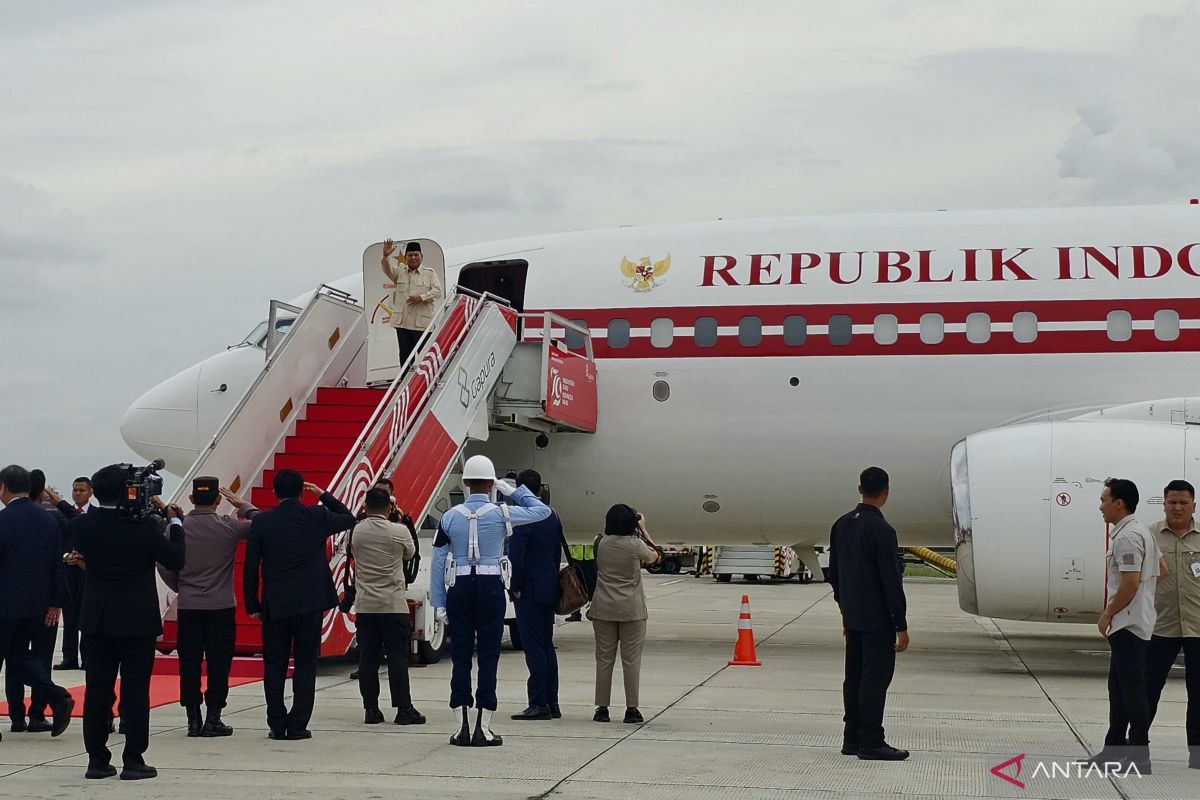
(922, 571)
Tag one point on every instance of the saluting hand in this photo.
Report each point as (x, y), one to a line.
(234, 500)
(54, 497)
(312, 487)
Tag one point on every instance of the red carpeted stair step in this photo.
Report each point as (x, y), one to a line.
(318, 446)
(322, 479)
(349, 397)
(319, 412)
(310, 462)
(306, 429)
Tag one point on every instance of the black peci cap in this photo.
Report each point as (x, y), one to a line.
(412, 247)
(206, 491)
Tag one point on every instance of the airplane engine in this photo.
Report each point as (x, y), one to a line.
(1030, 541)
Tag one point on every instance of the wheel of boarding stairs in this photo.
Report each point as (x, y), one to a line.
(723, 577)
(671, 566)
(431, 651)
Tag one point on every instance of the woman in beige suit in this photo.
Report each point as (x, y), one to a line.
(618, 611)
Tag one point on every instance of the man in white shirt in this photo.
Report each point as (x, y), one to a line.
(415, 292)
(1128, 621)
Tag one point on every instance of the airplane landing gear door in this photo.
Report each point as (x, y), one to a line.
(383, 362)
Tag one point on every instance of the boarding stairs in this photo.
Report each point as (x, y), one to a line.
(311, 410)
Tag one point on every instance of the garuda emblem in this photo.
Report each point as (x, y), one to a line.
(644, 276)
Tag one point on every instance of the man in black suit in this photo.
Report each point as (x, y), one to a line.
(288, 544)
(41, 645)
(534, 552)
(33, 587)
(120, 619)
(865, 575)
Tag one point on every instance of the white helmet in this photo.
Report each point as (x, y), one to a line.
(479, 468)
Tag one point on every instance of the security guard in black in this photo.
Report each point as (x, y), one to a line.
(864, 572)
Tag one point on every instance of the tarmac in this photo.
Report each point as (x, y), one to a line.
(969, 694)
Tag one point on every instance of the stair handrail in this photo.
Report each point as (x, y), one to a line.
(473, 303)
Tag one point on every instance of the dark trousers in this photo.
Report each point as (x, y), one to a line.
(41, 649)
(475, 607)
(870, 665)
(535, 622)
(300, 637)
(205, 636)
(1128, 706)
(133, 657)
(70, 643)
(378, 634)
(1160, 656)
(407, 339)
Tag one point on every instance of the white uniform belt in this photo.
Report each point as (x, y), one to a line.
(478, 569)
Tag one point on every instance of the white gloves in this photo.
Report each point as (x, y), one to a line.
(505, 488)
(441, 615)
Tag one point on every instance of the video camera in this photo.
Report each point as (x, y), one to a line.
(141, 484)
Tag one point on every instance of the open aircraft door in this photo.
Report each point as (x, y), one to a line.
(383, 361)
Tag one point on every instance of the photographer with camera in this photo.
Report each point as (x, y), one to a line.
(120, 541)
(33, 588)
(618, 611)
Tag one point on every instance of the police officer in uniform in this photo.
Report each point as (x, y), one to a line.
(468, 585)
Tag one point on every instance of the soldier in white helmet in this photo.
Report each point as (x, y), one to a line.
(469, 578)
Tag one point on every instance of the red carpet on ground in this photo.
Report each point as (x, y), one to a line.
(164, 691)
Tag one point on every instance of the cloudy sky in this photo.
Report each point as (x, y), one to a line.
(167, 167)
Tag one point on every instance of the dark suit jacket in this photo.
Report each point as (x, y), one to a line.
(120, 595)
(534, 551)
(288, 544)
(865, 572)
(33, 578)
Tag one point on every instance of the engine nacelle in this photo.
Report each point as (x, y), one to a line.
(1030, 541)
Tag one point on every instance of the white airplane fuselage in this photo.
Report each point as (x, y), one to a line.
(917, 330)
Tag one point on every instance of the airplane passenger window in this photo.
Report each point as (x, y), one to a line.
(933, 329)
(1025, 327)
(841, 329)
(887, 329)
(1166, 325)
(979, 328)
(705, 332)
(795, 331)
(750, 331)
(1120, 326)
(618, 333)
(574, 339)
(662, 332)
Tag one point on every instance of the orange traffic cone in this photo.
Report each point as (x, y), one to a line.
(743, 649)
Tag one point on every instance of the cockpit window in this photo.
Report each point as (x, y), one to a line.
(258, 336)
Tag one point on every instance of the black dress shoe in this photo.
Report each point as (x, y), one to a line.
(138, 772)
(303, 733)
(601, 714)
(62, 715)
(38, 725)
(99, 771)
(555, 711)
(18, 725)
(373, 716)
(883, 753)
(633, 716)
(354, 675)
(849, 748)
(534, 712)
(278, 736)
(214, 728)
(66, 665)
(408, 716)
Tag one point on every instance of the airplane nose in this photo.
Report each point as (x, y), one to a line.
(163, 422)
